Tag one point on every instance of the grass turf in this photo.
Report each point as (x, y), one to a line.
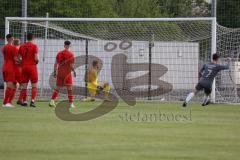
(211, 133)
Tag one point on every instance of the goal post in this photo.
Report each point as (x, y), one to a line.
(181, 46)
(6, 32)
(44, 53)
(213, 51)
(108, 19)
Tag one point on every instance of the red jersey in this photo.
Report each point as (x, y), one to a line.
(28, 51)
(64, 60)
(9, 52)
(18, 67)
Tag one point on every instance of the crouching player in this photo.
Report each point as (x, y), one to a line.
(92, 82)
(63, 68)
(207, 75)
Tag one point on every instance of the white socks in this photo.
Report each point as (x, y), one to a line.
(206, 99)
(189, 97)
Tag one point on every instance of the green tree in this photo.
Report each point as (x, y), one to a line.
(73, 8)
(8, 8)
(228, 10)
(184, 8)
(228, 13)
(137, 8)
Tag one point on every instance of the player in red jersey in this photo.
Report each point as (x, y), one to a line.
(9, 54)
(63, 68)
(17, 67)
(29, 54)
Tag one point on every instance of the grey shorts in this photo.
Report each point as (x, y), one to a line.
(207, 90)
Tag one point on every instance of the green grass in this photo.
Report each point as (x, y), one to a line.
(212, 133)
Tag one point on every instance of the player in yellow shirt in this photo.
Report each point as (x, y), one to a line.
(92, 82)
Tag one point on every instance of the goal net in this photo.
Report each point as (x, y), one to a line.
(150, 59)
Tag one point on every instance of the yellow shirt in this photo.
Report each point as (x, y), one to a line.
(93, 76)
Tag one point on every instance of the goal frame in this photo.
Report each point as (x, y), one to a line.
(47, 19)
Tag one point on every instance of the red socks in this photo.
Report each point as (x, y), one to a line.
(55, 94)
(70, 96)
(23, 95)
(34, 93)
(10, 93)
(7, 96)
(13, 93)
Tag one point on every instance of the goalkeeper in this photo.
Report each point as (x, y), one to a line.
(92, 82)
(207, 75)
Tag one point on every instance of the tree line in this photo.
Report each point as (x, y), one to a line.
(228, 10)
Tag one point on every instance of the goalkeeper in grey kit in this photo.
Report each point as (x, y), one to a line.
(207, 75)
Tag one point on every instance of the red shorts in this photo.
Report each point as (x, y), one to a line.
(64, 80)
(29, 73)
(8, 76)
(18, 74)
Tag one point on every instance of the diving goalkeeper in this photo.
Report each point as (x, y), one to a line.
(92, 82)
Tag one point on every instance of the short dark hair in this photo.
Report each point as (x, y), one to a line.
(30, 36)
(94, 63)
(9, 36)
(16, 42)
(215, 56)
(67, 43)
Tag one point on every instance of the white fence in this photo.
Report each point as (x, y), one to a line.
(181, 59)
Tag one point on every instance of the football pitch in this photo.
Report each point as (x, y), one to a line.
(161, 131)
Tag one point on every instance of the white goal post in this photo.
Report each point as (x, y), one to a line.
(187, 36)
